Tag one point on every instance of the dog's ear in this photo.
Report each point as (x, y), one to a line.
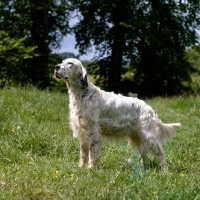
(84, 77)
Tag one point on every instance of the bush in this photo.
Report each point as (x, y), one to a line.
(13, 52)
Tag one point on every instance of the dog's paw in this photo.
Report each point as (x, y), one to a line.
(80, 164)
(90, 166)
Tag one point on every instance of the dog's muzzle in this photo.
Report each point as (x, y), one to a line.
(56, 69)
(57, 74)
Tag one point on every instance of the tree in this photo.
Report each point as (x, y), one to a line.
(101, 26)
(150, 36)
(43, 24)
(163, 64)
(193, 55)
(13, 52)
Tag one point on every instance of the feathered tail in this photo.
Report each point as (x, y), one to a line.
(167, 131)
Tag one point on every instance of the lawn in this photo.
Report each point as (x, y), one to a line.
(39, 157)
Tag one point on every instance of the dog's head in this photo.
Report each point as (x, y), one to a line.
(71, 70)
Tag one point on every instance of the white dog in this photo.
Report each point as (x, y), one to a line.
(95, 113)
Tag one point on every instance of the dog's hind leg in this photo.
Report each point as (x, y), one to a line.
(94, 151)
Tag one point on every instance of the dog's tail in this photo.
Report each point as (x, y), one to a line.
(167, 131)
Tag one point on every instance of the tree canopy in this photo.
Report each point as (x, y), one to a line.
(150, 36)
(140, 45)
(41, 25)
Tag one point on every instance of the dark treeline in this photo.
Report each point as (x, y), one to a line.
(30, 29)
(140, 44)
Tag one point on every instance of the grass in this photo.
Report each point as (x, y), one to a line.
(39, 157)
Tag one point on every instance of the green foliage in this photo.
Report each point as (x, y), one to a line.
(150, 36)
(161, 73)
(193, 56)
(43, 24)
(39, 157)
(13, 53)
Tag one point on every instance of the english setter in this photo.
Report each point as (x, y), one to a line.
(95, 113)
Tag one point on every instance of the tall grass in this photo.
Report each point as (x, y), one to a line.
(39, 157)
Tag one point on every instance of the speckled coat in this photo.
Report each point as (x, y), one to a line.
(95, 113)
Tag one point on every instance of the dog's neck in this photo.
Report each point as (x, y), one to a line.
(76, 89)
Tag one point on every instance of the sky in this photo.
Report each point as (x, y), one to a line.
(68, 45)
(69, 42)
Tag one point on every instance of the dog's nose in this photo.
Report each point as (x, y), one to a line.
(57, 67)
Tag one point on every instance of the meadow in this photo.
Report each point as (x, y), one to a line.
(39, 156)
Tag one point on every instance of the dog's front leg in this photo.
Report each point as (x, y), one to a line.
(84, 151)
(94, 151)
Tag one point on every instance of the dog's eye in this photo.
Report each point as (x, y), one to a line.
(70, 63)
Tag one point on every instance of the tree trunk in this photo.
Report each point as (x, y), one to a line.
(116, 59)
(40, 30)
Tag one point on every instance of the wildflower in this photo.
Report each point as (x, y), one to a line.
(71, 176)
(154, 192)
(18, 127)
(18, 172)
(182, 175)
(56, 176)
(13, 130)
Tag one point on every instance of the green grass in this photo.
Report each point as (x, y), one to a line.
(39, 157)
